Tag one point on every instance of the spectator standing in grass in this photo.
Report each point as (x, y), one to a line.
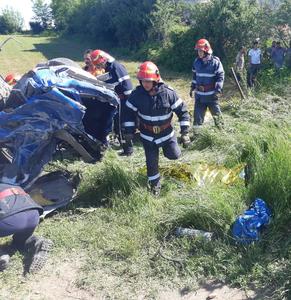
(277, 55)
(288, 57)
(240, 65)
(255, 60)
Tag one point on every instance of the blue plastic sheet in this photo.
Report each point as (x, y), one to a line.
(248, 226)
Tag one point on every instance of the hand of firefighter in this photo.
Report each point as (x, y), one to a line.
(218, 94)
(128, 137)
(185, 139)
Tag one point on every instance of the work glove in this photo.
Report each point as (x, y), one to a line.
(185, 139)
(218, 95)
(128, 137)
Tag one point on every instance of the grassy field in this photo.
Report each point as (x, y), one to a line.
(116, 240)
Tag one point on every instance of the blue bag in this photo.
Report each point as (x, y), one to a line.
(247, 227)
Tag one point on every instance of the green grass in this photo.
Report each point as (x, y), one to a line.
(126, 235)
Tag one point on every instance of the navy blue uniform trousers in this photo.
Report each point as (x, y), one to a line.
(171, 151)
(21, 225)
(200, 110)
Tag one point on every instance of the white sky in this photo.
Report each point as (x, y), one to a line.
(23, 6)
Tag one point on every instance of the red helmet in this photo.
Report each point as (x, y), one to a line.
(148, 71)
(100, 57)
(10, 79)
(204, 45)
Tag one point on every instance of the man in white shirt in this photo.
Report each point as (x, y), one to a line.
(255, 57)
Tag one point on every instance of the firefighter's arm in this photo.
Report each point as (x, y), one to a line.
(193, 82)
(180, 109)
(124, 80)
(128, 118)
(219, 76)
(184, 120)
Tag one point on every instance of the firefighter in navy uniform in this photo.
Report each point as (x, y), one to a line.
(154, 103)
(208, 78)
(19, 216)
(123, 88)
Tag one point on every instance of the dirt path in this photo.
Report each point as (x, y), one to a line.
(58, 280)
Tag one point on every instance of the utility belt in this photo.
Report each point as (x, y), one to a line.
(206, 87)
(156, 129)
(11, 191)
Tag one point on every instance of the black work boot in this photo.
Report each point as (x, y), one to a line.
(38, 249)
(155, 188)
(125, 153)
(127, 150)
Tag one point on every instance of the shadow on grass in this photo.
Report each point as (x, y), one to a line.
(61, 47)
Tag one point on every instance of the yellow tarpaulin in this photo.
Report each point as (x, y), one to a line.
(201, 173)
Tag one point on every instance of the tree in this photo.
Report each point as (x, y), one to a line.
(10, 21)
(42, 14)
(63, 13)
(166, 14)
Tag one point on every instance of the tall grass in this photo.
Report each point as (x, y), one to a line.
(102, 182)
(272, 178)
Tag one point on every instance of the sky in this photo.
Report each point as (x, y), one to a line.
(23, 6)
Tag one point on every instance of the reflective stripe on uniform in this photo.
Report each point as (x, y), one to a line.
(128, 124)
(205, 75)
(127, 92)
(164, 138)
(128, 104)
(194, 81)
(151, 178)
(185, 123)
(155, 118)
(177, 103)
(123, 78)
(146, 137)
(205, 93)
(157, 141)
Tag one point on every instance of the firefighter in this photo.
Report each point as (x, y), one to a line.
(154, 103)
(11, 79)
(19, 216)
(89, 66)
(208, 78)
(123, 88)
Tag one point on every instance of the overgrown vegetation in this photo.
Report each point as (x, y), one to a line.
(165, 31)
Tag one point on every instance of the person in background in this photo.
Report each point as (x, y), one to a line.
(154, 103)
(11, 79)
(89, 66)
(255, 59)
(123, 88)
(277, 55)
(270, 49)
(19, 216)
(288, 57)
(208, 79)
(240, 65)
